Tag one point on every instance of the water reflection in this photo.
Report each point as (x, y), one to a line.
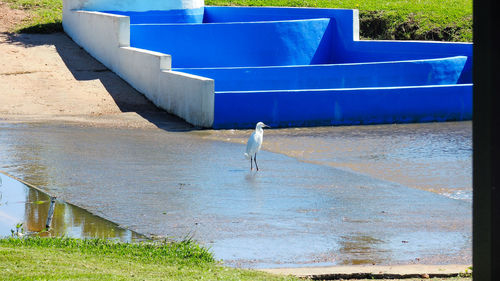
(20, 203)
(362, 249)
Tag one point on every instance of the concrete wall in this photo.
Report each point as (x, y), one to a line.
(133, 5)
(248, 36)
(333, 76)
(347, 21)
(107, 38)
(296, 42)
(188, 95)
(169, 16)
(347, 47)
(363, 51)
(434, 88)
(343, 106)
(339, 42)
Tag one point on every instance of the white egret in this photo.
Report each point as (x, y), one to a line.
(254, 143)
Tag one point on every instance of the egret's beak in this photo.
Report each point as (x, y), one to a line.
(267, 126)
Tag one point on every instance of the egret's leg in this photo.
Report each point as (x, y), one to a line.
(251, 164)
(255, 159)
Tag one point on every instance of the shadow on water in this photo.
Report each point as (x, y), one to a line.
(22, 204)
(84, 67)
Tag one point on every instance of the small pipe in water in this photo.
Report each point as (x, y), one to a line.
(51, 212)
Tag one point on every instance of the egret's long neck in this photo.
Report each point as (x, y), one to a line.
(259, 130)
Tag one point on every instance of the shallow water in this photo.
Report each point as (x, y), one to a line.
(26, 207)
(432, 156)
(330, 203)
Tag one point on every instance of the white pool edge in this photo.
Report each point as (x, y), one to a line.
(106, 37)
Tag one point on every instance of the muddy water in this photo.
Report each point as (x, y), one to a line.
(26, 208)
(324, 196)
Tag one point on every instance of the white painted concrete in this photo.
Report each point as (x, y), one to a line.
(135, 5)
(99, 34)
(107, 38)
(188, 95)
(141, 68)
(355, 25)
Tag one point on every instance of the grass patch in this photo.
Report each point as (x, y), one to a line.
(443, 20)
(35, 258)
(422, 279)
(45, 16)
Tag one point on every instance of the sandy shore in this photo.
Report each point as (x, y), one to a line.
(47, 77)
(369, 272)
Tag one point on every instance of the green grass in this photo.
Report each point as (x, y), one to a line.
(421, 279)
(449, 20)
(443, 20)
(37, 258)
(45, 16)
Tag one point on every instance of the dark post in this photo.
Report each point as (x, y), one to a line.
(51, 212)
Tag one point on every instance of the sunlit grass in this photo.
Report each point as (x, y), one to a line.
(448, 20)
(98, 259)
(45, 16)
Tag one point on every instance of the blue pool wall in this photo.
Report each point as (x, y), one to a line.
(361, 106)
(443, 71)
(344, 31)
(236, 43)
(264, 37)
(132, 5)
(295, 42)
(159, 17)
(338, 42)
(371, 51)
(343, 28)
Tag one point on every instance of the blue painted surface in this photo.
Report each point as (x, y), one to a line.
(252, 14)
(136, 5)
(160, 17)
(363, 51)
(302, 67)
(386, 74)
(240, 44)
(343, 106)
(342, 18)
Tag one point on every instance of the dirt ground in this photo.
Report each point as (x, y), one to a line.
(9, 18)
(48, 77)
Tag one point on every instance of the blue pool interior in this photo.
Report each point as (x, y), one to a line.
(304, 67)
(442, 71)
